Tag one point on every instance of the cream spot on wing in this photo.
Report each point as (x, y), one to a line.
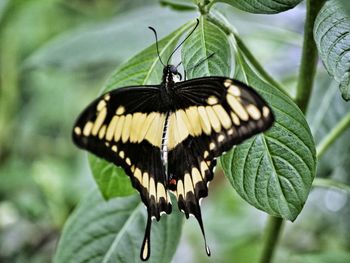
(266, 111)
(77, 130)
(138, 175)
(206, 154)
(102, 132)
(87, 128)
(139, 126)
(237, 107)
(194, 118)
(223, 116)
(132, 168)
(212, 100)
(188, 183)
(234, 90)
(107, 144)
(177, 130)
(114, 148)
(126, 128)
(213, 119)
(212, 146)
(145, 250)
(196, 176)
(204, 120)
(120, 110)
(204, 168)
(150, 118)
(135, 125)
(180, 188)
(152, 188)
(161, 192)
(227, 83)
(107, 97)
(128, 161)
(230, 132)
(235, 119)
(186, 121)
(121, 154)
(253, 111)
(101, 105)
(154, 133)
(145, 180)
(221, 138)
(119, 128)
(99, 120)
(111, 128)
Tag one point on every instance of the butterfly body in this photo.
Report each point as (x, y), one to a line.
(167, 137)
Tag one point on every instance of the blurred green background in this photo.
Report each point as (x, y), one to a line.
(55, 55)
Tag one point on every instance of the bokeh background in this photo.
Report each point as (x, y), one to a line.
(55, 55)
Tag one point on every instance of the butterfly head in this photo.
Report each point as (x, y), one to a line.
(171, 74)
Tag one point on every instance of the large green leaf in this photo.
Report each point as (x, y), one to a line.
(112, 231)
(144, 68)
(273, 171)
(332, 36)
(208, 39)
(262, 7)
(107, 42)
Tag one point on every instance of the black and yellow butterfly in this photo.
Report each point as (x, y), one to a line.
(167, 137)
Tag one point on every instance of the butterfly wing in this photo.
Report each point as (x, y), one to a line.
(212, 114)
(125, 127)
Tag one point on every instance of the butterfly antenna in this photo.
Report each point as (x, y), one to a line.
(201, 61)
(189, 34)
(155, 34)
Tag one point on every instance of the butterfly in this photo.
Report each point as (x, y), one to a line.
(167, 137)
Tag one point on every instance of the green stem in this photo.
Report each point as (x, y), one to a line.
(329, 183)
(309, 56)
(304, 88)
(273, 231)
(333, 135)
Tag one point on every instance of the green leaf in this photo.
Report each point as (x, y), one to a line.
(273, 171)
(144, 68)
(181, 5)
(262, 7)
(111, 180)
(206, 40)
(332, 36)
(112, 231)
(107, 42)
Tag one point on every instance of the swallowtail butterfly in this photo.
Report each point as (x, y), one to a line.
(167, 137)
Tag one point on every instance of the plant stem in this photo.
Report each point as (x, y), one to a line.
(304, 88)
(329, 183)
(341, 127)
(309, 56)
(273, 230)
